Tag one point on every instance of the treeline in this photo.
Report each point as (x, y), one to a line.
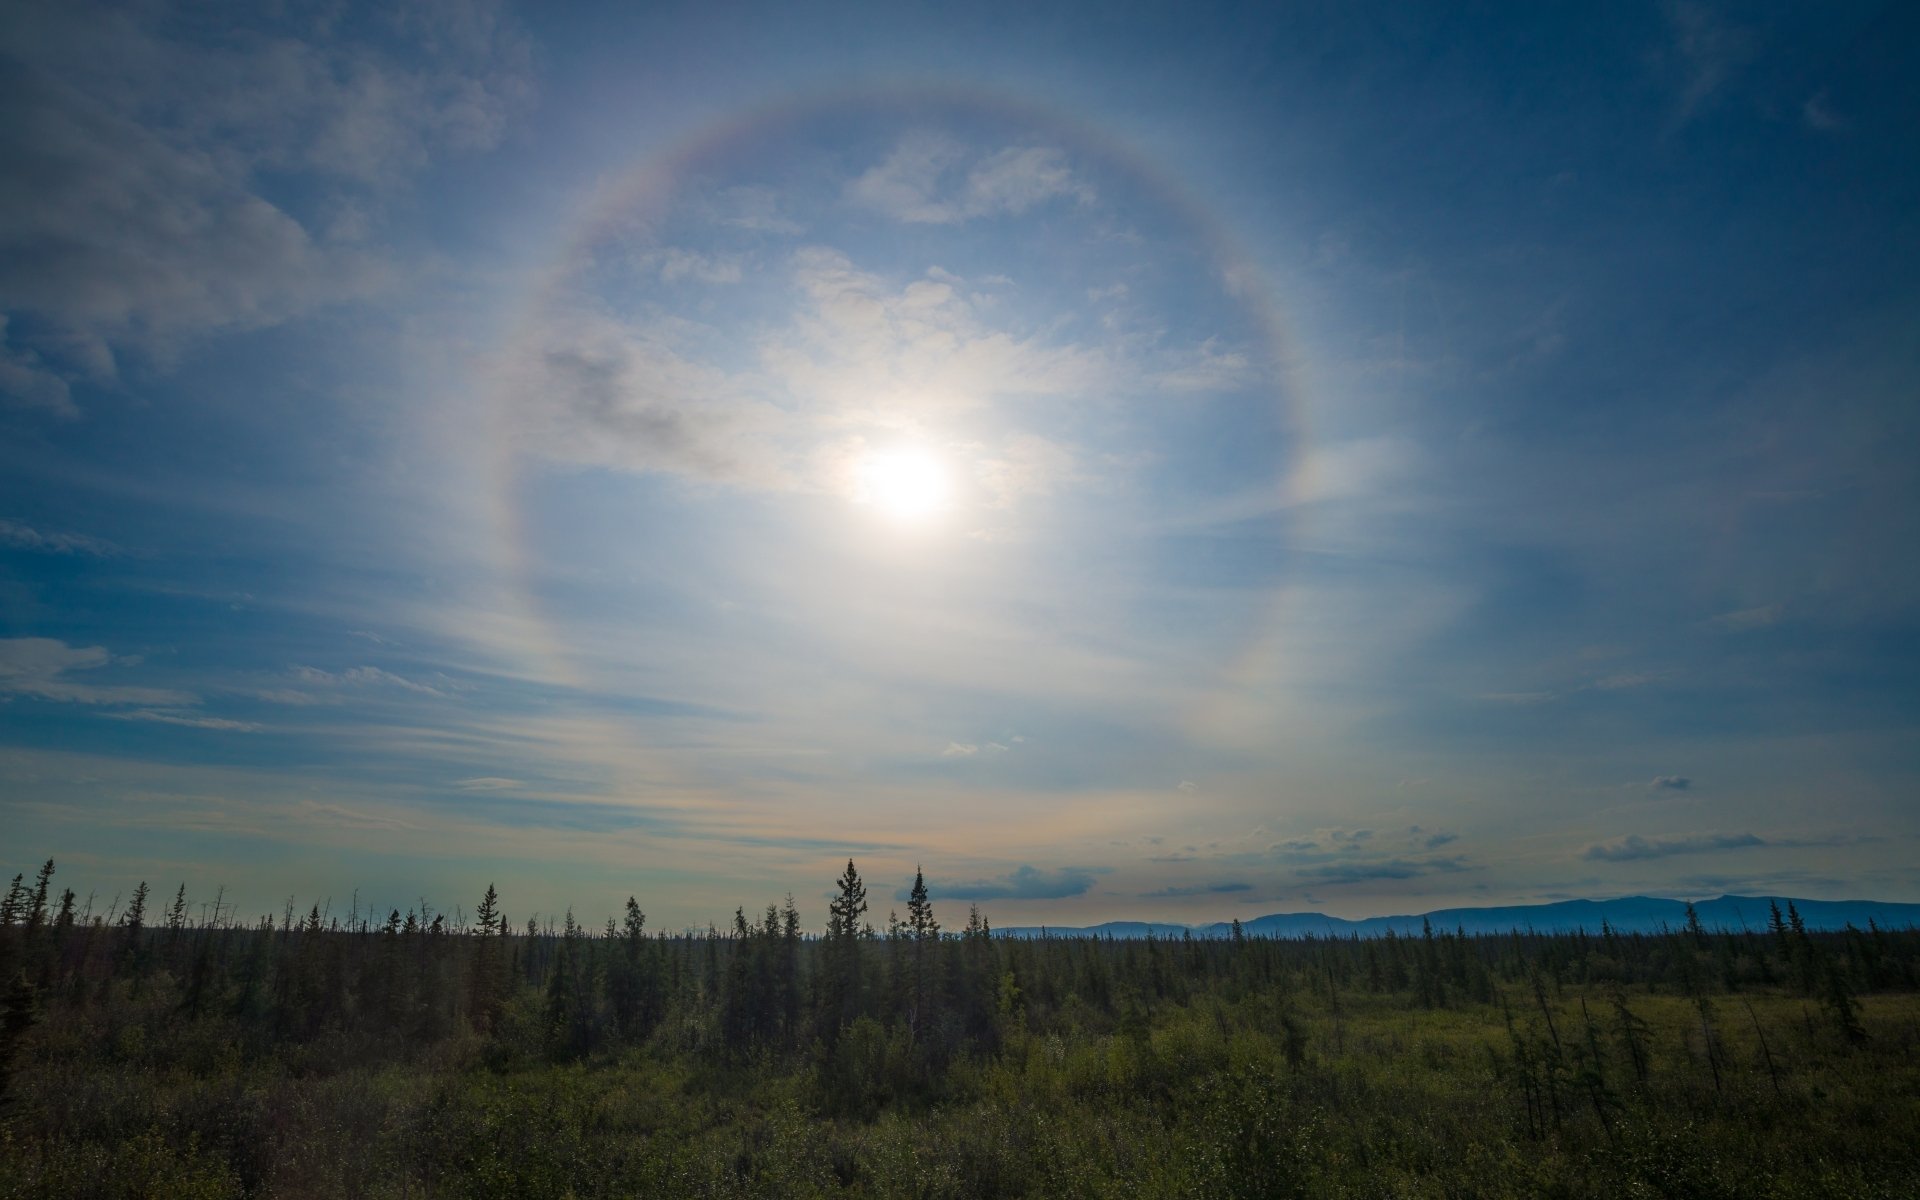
(908, 992)
(165, 1047)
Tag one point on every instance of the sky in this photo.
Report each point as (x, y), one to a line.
(1128, 461)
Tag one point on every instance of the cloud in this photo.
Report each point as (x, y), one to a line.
(188, 720)
(1707, 52)
(1381, 869)
(1023, 883)
(1188, 786)
(1633, 847)
(960, 750)
(1631, 679)
(930, 179)
(487, 783)
(289, 696)
(1818, 114)
(793, 405)
(1670, 783)
(27, 378)
(1025, 466)
(134, 208)
(364, 677)
(40, 668)
(754, 208)
(19, 536)
(1746, 619)
(1198, 889)
(677, 264)
(596, 389)
(1435, 841)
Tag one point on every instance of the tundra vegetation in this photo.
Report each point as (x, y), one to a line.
(163, 1046)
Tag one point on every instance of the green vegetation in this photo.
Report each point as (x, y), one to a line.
(421, 1055)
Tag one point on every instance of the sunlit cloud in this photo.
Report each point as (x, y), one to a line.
(682, 491)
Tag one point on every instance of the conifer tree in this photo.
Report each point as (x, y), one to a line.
(844, 932)
(135, 918)
(925, 932)
(484, 989)
(36, 914)
(14, 905)
(489, 911)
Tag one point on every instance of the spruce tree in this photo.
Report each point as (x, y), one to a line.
(485, 990)
(14, 905)
(36, 915)
(135, 918)
(925, 932)
(488, 914)
(844, 931)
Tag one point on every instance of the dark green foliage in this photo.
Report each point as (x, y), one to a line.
(412, 1055)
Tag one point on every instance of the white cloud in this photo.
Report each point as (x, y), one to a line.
(364, 677)
(677, 264)
(1708, 51)
(931, 179)
(1208, 368)
(132, 207)
(754, 208)
(1026, 465)
(1818, 113)
(596, 389)
(40, 668)
(858, 359)
(187, 719)
(20, 536)
(1746, 620)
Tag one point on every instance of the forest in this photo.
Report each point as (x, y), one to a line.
(169, 1046)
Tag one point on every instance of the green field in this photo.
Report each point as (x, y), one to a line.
(291, 1058)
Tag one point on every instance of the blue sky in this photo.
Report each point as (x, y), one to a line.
(1170, 464)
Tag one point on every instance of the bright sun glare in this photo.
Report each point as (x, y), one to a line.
(907, 486)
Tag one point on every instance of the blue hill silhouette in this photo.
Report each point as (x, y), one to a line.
(1629, 914)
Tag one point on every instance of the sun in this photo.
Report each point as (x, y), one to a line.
(907, 485)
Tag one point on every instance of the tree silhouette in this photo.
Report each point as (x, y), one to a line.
(925, 932)
(844, 934)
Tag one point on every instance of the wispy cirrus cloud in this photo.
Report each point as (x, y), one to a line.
(1706, 51)
(18, 535)
(1226, 888)
(1374, 870)
(1746, 620)
(43, 668)
(1634, 848)
(188, 720)
(364, 676)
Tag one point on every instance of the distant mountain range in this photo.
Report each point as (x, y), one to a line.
(1631, 914)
